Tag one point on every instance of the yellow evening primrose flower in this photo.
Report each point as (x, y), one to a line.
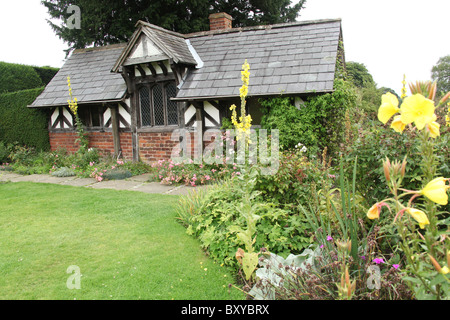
(389, 107)
(374, 212)
(397, 124)
(433, 128)
(417, 109)
(419, 216)
(436, 191)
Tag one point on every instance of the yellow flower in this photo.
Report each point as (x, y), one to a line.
(397, 124)
(436, 191)
(419, 216)
(374, 212)
(433, 127)
(417, 109)
(389, 107)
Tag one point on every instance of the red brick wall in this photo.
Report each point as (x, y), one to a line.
(102, 141)
(153, 146)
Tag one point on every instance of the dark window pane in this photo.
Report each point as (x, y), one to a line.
(144, 98)
(95, 116)
(172, 113)
(158, 105)
(83, 114)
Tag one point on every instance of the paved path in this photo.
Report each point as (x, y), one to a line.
(136, 183)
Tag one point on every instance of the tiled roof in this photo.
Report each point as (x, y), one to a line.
(90, 76)
(293, 58)
(287, 58)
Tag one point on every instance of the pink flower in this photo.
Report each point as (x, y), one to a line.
(329, 238)
(207, 177)
(378, 260)
(396, 266)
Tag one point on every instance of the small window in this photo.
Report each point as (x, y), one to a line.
(90, 116)
(156, 107)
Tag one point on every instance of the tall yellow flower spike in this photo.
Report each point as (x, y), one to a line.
(73, 102)
(403, 96)
(244, 123)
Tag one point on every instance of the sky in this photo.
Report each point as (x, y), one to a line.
(390, 37)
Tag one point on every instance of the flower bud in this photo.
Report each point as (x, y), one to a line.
(386, 167)
(435, 263)
(403, 168)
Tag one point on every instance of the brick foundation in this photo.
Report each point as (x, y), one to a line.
(153, 146)
(102, 141)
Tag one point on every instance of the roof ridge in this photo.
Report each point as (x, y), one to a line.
(158, 28)
(105, 47)
(260, 27)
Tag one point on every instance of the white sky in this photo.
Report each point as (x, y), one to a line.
(390, 37)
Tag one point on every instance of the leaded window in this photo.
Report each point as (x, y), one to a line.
(156, 108)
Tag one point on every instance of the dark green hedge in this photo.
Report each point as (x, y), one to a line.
(20, 124)
(15, 77)
(46, 73)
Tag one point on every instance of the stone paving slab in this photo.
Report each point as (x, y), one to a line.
(79, 182)
(136, 183)
(153, 187)
(116, 184)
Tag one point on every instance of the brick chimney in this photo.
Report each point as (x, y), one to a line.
(220, 21)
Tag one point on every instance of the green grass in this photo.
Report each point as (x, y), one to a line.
(128, 245)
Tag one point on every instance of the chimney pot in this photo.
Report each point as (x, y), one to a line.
(220, 21)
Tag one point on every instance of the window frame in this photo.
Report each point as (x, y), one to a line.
(150, 86)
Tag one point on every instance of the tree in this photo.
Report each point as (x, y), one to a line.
(112, 21)
(441, 73)
(359, 75)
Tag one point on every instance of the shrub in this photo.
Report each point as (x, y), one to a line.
(116, 174)
(214, 218)
(16, 77)
(20, 124)
(318, 122)
(63, 172)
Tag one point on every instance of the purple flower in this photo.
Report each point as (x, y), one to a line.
(329, 238)
(363, 257)
(321, 246)
(378, 260)
(396, 266)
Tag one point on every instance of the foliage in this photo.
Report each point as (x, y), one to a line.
(17, 77)
(22, 125)
(318, 122)
(214, 218)
(441, 73)
(112, 22)
(296, 179)
(359, 75)
(340, 262)
(422, 248)
(117, 174)
(63, 172)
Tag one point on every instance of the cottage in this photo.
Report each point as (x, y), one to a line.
(132, 96)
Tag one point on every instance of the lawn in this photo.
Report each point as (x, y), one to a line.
(127, 245)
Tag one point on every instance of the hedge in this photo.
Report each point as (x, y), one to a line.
(16, 77)
(23, 125)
